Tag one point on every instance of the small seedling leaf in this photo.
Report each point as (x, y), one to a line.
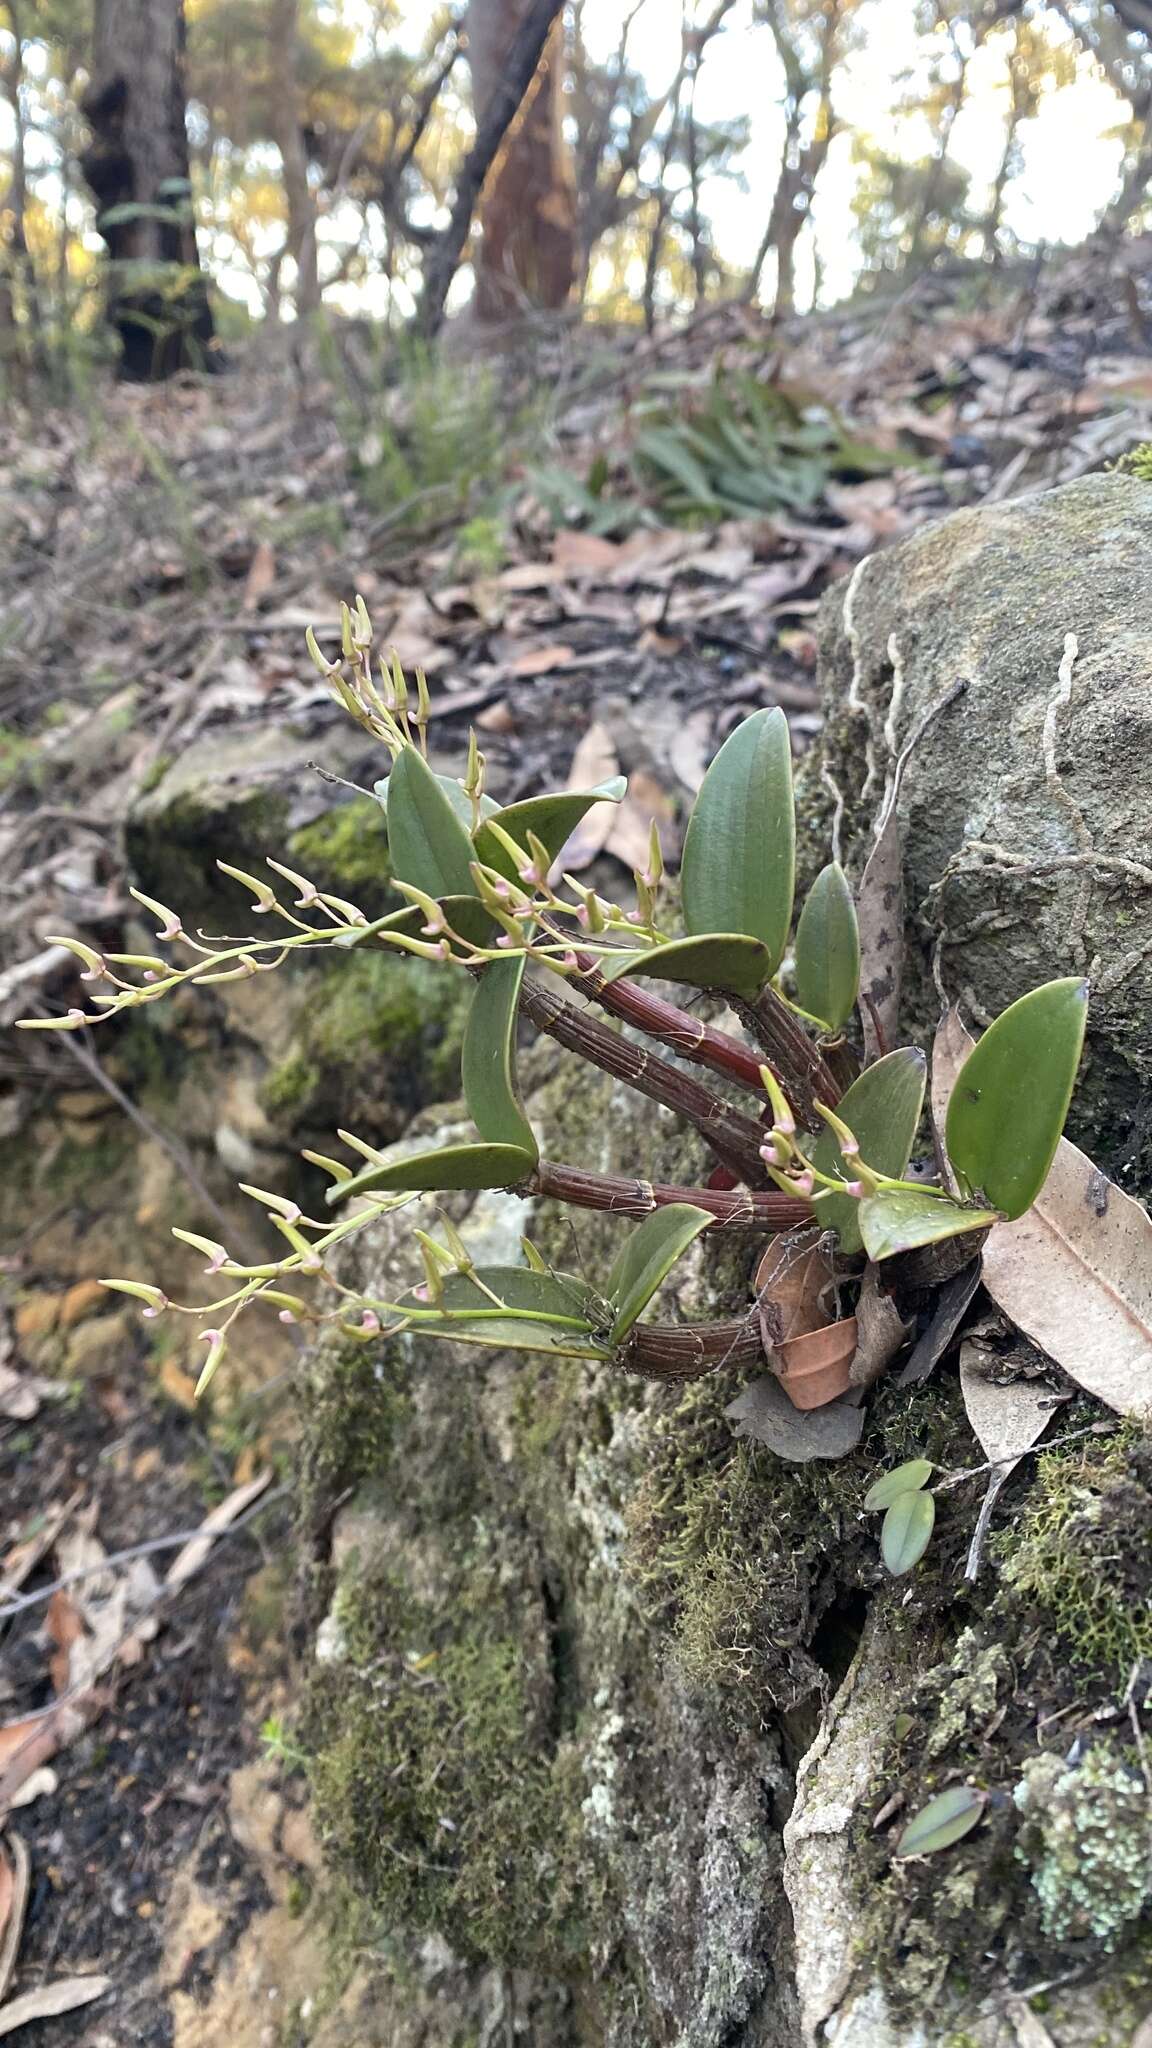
(899, 1220)
(827, 952)
(722, 960)
(551, 818)
(946, 1819)
(428, 843)
(1007, 1109)
(647, 1258)
(488, 1057)
(907, 1478)
(883, 1108)
(906, 1529)
(738, 866)
(450, 1166)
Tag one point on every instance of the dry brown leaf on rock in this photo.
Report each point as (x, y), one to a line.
(1007, 1412)
(881, 1330)
(1075, 1274)
(691, 749)
(793, 1284)
(261, 575)
(51, 2000)
(764, 1412)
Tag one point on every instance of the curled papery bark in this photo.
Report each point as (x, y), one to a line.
(657, 1351)
(740, 1209)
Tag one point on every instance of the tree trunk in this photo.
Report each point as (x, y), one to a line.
(299, 198)
(527, 252)
(138, 161)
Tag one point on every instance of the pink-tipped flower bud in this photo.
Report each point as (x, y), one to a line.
(420, 1293)
(856, 1188)
(370, 1321)
(804, 1184)
(286, 1316)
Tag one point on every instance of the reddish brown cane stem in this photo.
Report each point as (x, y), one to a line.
(686, 1352)
(734, 1138)
(803, 1074)
(694, 1040)
(765, 1214)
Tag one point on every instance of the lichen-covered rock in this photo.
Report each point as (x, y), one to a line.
(1028, 817)
(626, 1711)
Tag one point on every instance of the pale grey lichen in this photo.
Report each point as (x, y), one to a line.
(1086, 1839)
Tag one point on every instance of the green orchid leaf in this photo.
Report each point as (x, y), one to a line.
(737, 873)
(907, 1478)
(448, 1166)
(647, 1258)
(456, 794)
(548, 1312)
(883, 1108)
(721, 960)
(898, 1220)
(827, 951)
(553, 819)
(906, 1530)
(428, 844)
(946, 1819)
(488, 1058)
(1011, 1097)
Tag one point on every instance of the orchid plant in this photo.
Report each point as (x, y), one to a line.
(812, 1140)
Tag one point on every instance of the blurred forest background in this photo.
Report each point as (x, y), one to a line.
(176, 173)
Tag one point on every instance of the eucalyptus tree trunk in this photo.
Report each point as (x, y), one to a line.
(527, 251)
(137, 167)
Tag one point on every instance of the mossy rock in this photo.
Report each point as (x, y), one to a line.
(1025, 856)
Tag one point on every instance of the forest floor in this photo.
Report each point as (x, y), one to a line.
(589, 596)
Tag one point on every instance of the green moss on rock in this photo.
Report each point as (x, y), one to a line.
(345, 851)
(378, 1036)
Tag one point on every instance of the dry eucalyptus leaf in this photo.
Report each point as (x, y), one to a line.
(632, 820)
(881, 1331)
(52, 1999)
(1075, 1274)
(1007, 1416)
(194, 1554)
(764, 1413)
(594, 761)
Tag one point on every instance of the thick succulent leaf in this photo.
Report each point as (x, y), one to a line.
(883, 1108)
(449, 1166)
(648, 1257)
(907, 1478)
(946, 1819)
(550, 1312)
(1007, 1109)
(552, 818)
(428, 844)
(827, 952)
(456, 794)
(906, 1529)
(488, 1057)
(898, 1220)
(737, 873)
(724, 960)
